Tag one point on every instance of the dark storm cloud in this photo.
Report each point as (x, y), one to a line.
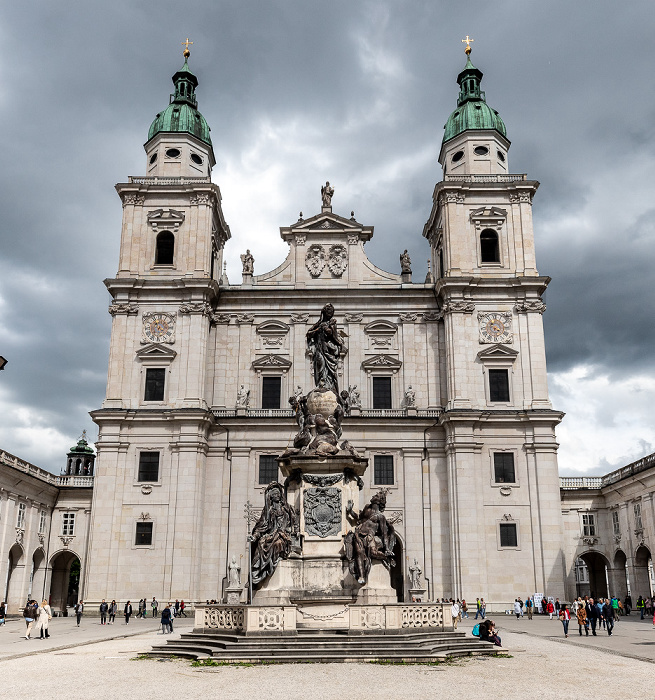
(297, 93)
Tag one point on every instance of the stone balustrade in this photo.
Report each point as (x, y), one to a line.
(28, 468)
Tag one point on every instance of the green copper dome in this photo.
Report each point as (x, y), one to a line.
(182, 115)
(472, 111)
(82, 446)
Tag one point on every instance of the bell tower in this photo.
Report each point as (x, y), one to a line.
(498, 419)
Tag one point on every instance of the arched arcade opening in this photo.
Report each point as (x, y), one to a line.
(592, 575)
(64, 581)
(643, 583)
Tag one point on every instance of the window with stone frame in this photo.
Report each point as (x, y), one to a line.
(68, 524)
(504, 472)
(637, 512)
(165, 248)
(42, 521)
(616, 527)
(589, 524)
(148, 466)
(498, 385)
(383, 470)
(155, 384)
(20, 520)
(508, 535)
(268, 469)
(382, 392)
(489, 251)
(143, 534)
(271, 392)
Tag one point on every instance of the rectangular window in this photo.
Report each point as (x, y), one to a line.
(589, 524)
(615, 522)
(637, 511)
(42, 521)
(504, 468)
(20, 522)
(381, 392)
(499, 385)
(267, 469)
(508, 536)
(155, 379)
(271, 392)
(68, 524)
(143, 535)
(148, 466)
(383, 470)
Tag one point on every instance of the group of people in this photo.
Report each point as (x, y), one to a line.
(36, 618)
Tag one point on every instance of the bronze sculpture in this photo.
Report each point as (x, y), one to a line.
(325, 346)
(372, 538)
(272, 534)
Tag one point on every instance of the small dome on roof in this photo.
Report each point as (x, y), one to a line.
(82, 447)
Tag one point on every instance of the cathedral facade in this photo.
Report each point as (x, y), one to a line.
(445, 378)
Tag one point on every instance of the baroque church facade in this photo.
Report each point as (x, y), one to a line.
(448, 396)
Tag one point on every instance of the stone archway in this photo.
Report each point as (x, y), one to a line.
(642, 580)
(64, 581)
(597, 568)
(37, 578)
(618, 575)
(14, 583)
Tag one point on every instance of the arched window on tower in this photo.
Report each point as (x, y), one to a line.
(165, 248)
(489, 252)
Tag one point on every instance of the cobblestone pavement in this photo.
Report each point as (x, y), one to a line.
(541, 666)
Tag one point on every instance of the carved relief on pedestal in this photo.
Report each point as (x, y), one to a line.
(322, 510)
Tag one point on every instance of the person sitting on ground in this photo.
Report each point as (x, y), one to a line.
(488, 632)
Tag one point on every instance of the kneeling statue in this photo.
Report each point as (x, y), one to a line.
(372, 538)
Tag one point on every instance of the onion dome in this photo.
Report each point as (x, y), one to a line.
(182, 115)
(473, 112)
(82, 447)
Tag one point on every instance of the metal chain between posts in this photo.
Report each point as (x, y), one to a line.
(323, 617)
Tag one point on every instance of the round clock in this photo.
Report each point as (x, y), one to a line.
(495, 327)
(158, 328)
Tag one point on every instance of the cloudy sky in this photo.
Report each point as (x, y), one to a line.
(357, 92)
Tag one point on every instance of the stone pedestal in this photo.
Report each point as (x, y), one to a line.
(233, 595)
(417, 595)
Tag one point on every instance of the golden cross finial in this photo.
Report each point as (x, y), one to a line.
(186, 53)
(467, 41)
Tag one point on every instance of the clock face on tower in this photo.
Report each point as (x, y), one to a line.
(495, 327)
(158, 328)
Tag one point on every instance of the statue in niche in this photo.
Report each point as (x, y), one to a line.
(243, 397)
(372, 538)
(248, 263)
(410, 397)
(415, 572)
(405, 263)
(234, 573)
(325, 345)
(327, 193)
(272, 535)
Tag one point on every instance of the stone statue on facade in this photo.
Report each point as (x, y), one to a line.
(405, 263)
(410, 397)
(415, 572)
(325, 346)
(372, 538)
(327, 193)
(248, 263)
(243, 397)
(234, 573)
(272, 534)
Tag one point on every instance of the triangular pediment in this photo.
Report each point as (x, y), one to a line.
(161, 216)
(385, 361)
(498, 352)
(156, 351)
(327, 222)
(269, 361)
(488, 213)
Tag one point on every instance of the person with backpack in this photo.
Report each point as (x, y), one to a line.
(465, 610)
(79, 609)
(29, 615)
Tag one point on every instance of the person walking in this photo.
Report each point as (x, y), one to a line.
(79, 609)
(593, 614)
(454, 609)
(155, 606)
(477, 608)
(170, 622)
(581, 614)
(3, 612)
(608, 617)
(127, 611)
(176, 611)
(113, 609)
(627, 604)
(565, 617)
(166, 620)
(640, 607)
(182, 613)
(140, 613)
(615, 608)
(103, 612)
(550, 609)
(44, 615)
(483, 608)
(517, 608)
(28, 615)
(465, 610)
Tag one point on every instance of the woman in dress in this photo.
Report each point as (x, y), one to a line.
(44, 615)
